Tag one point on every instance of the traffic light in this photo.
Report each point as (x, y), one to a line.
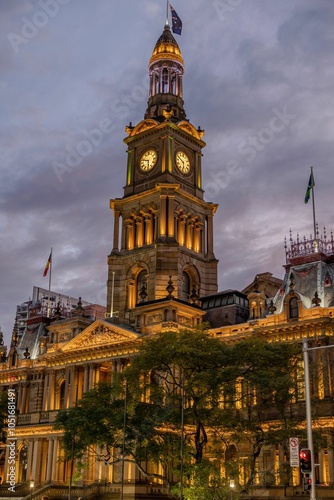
(305, 461)
(307, 483)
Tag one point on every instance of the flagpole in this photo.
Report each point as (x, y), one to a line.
(48, 314)
(313, 205)
(167, 13)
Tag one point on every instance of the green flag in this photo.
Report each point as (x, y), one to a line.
(311, 185)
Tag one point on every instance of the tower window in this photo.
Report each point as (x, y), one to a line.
(185, 289)
(62, 395)
(293, 308)
(142, 286)
(165, 88)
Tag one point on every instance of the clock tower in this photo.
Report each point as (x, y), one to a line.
(163, 228)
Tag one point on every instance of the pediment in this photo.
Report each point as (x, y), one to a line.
(190, 129)
(142, 127)
(100, 333)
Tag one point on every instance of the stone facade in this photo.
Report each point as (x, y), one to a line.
(162, 274)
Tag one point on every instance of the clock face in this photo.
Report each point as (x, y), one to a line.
(148, 160)
(182, 162)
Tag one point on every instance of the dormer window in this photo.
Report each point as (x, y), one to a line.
(293, 308)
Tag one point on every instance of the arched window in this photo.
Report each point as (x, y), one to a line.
(165, 88)
(231, 452)
(23, 463)
(293, 308)
(185, 289)
(62, 395)
(141, 289)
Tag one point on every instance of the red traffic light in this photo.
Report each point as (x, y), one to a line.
(305, 461)
(307, 483)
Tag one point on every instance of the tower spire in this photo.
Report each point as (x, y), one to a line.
(166, 69)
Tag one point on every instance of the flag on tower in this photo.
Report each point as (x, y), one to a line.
(310, 186)
(48, 264)
(176, 22)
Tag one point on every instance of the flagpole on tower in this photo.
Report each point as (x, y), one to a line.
(49, 310)
(310, 188)
(167, 13)
(48, 268)
(313, 206)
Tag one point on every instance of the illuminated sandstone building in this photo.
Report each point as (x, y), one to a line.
(162, 274)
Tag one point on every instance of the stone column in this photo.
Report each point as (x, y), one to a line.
(36, 460)
(66, 395)
(86, 378)
(45, 404)
(49, 460)
(54, 467)
(91, 376)
(140, 232)
(210, 235)
(52, 379)
(180, 86)
(171, 225)
(130, 238)
(182, 229)
(148, 229)
(6, 464)
(23, 404)
(71, 386)
(163, 216)
(189, 234)
(116, 230)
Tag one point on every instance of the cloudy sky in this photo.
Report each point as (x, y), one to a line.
(259, 79)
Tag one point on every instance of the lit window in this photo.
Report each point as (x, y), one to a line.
(293, 308)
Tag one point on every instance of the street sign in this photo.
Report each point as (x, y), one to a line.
(294, 452)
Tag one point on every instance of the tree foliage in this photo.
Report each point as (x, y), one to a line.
(222, 393)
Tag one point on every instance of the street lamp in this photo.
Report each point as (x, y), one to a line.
(31, 484)
(232, 484)
(306, 350)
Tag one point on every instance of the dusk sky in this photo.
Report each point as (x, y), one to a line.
(259, 79)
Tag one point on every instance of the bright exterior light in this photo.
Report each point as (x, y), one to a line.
(32, 484)
(232, 483)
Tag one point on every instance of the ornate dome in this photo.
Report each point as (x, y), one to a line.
(166, 48)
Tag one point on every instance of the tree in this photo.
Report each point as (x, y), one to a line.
(263, 409)
(222, 394)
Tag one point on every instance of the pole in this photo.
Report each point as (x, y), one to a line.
(308, 415)
(313, 207)
(48, 313)
(182, 435)
(123, 445)
(112, 294)
(167, 13)
(71, 470)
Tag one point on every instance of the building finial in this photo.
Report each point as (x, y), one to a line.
(170, 288)
(14, 339)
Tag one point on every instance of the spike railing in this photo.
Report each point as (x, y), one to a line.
(301, 247)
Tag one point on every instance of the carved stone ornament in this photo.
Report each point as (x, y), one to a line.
(100, 335)
(154, 318)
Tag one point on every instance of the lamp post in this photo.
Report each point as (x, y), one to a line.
(31, 484)
(232, 485)
(123, 443)
(306, 350)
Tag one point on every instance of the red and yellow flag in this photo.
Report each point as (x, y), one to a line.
(48, 264)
